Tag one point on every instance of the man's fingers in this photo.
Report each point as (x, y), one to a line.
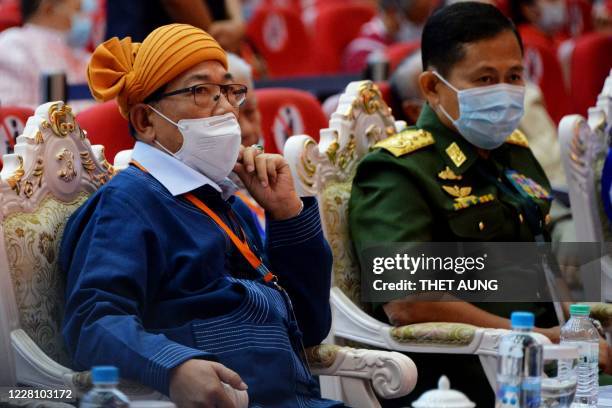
(230, 377)
(271, 165)
(262, 169)
(248, 159)
(240, 153)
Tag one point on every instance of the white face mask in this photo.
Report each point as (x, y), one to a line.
(210, 145)
(552, 17)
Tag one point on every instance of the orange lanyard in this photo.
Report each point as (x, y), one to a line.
(242, 246)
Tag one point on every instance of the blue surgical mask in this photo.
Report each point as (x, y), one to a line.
(487, 114)
(80, 30)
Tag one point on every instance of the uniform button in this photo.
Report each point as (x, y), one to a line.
(481, 226)
(521, 218)
(547, 219)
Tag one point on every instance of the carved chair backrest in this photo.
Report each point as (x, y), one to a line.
(326, 170)
(52, 171)
(584, 145)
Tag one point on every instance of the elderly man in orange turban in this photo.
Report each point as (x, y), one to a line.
(166, 275)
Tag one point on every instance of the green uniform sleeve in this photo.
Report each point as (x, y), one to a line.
(386, 205)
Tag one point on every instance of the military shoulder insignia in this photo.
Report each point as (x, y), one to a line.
(407, 141)
(448, 174)
(518, 138)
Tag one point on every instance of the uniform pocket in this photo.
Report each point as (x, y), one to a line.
(478, 223)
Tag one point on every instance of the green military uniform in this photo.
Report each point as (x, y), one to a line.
(429, 184)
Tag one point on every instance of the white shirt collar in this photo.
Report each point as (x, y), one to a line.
(174, 175)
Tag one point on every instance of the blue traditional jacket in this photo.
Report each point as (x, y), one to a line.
(152, 282)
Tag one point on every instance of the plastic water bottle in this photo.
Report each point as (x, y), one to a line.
(519, 365)
(580, 332)
(105, 393)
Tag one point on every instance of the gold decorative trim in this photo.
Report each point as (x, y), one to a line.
(370, 98)
(307, 165)
(38, 138)
(332, 150)
(14, 181)
(87, 162)
(67, 173)
(62, 119)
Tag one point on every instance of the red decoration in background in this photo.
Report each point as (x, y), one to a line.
(285, 112)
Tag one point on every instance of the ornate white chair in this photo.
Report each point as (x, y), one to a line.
(52, 171)
(326, 170)
(584, 145)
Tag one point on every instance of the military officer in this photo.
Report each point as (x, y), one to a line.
(464, 173)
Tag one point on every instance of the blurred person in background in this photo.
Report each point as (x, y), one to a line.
(52, 39)
(406, 98)
(249, 119)
(137, 18)
(544, 19)
(602, 16)
(397, 20)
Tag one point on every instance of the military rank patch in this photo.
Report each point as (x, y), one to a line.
(455, 153)
(464, 198)
(465, 202)
(456, 191)
(448, 174)
(527, 185)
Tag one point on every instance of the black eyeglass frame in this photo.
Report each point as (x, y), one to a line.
(192, 89)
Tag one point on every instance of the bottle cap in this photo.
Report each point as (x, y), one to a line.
(522, 320)
(104, 374)
(578, 309)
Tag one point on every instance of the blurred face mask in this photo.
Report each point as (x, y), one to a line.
(210, 145)
(81, 24)
(488, 114)
(80, 30)
(552, 16)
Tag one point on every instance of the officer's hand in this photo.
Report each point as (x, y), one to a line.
(604, 356)
(198, 383)
(553, 333)
(268, 179)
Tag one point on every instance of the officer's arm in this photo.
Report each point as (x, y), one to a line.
(386, 205)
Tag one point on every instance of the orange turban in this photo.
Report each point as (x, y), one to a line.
(132, 71)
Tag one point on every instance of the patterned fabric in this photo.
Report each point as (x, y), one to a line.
(334, 214)
(32, 243)
(322, 356)
(447, 334)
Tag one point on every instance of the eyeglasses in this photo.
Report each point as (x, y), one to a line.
(209, 94)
